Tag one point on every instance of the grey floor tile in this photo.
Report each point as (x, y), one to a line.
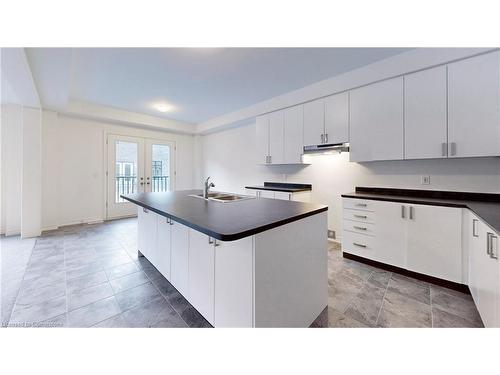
(124, 283)
(194, 319)
(458, 306)
(136, 296)
(152, 273)
(94, 313)
(411, 288)
(444, 319)
(173, 320)
(38, 313)
(121, 270)
(331, 318)
(380, 278)
(114, 261)
(399, 311)
(79, 271)
(149, 313)
(116, 321)
(365, 306)
(34, 295)
(86, 281)
(56, 322)
(89, 295)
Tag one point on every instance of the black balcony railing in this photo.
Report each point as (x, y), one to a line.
(125, 185)
(160, 183)
(128, 185)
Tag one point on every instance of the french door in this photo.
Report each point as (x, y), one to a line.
(137, 165)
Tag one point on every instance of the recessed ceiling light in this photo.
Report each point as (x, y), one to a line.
(163, 107)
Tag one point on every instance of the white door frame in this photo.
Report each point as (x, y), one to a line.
(144, 170)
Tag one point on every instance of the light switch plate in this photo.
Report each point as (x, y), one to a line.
(426, 180)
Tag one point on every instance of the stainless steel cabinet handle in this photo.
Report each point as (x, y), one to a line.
(474, 233)
(488, 243)
(493, 254)
(453, 148)
(270, 159)
(359, 245)
(361, 205)
(210, 241)
(215, 243)
(359, 228)
(322, 138)
(145, 210)
(326, 138)
(171, 222)
(142, 183)
(444, 148)
(411, 213)
(361, 216)
(403, 212)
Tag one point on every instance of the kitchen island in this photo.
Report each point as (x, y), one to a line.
(251, 262)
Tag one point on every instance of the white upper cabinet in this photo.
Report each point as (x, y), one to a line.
(293, 134)
(376, 128)
(425, 114)
(262, 139)
(337, 118)
(276, 137)
(314, 122)
(474, 106)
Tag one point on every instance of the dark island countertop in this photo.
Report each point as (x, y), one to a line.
(285, 187)
(484, 205)
(225, 221)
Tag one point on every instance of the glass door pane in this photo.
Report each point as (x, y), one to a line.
(160, 168)
(126, 169)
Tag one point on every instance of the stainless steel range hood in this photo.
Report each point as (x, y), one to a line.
(338, 147)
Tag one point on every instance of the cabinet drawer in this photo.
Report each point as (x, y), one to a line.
(357, 227)
(358, 244)
(359, 215)
(359, 204)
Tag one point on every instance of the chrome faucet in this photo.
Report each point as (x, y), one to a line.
(207, 187)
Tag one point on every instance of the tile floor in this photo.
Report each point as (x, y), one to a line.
(90, 276)
(364, 296)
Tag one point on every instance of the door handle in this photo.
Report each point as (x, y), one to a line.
(493, 254)
(474, 222)
(444, 148)
(326, 138)
(403, 212)
(145, 210)
(359, 228)
(453, 148)
(488, 243)
(322, 138)
(210, 242)
(361, 205)
(411, 213)
(359, 245)
(270, 159)
(360, 216)
(215, 243)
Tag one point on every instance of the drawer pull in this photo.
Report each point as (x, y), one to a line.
(359, 245)
(493, 254)
(474, 232)
(145, 210)
(359, 228)
(361, 216)
(361, 205)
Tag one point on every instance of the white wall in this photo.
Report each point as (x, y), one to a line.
(31, 173)
(230, 158)
(73, 165)
(11, 138)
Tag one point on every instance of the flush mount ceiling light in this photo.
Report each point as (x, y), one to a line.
(163, 107)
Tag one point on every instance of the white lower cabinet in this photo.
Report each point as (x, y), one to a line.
(163, 246)
(420, 238)
(180, 258)
(484, 270)
(302, 196)
(146, 234)
(434, 241)
(202, 273)
(234, 283)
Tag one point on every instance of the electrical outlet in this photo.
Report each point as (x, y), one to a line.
(331, 234)
(426, 180)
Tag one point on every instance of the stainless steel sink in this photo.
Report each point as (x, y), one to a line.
(223, 197)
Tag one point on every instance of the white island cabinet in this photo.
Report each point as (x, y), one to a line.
(273, 278)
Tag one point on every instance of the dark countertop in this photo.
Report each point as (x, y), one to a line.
(225, 221)
(282, 186)
(484, 205)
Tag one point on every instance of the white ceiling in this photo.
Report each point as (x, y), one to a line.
(198, 83)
